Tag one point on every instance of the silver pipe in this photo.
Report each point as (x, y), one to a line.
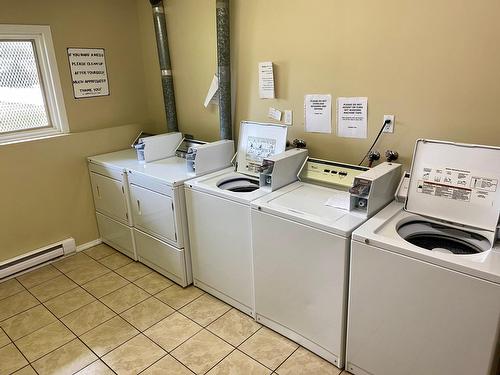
(224, 68)
(165, 65)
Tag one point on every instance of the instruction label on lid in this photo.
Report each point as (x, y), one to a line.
(458, 185)
(258, 149)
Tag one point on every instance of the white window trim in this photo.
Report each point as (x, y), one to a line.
(54, 99)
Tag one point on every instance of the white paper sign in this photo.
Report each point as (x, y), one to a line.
(213, 91)
(341, 199)
(352, 117)
(318, 113)
(266, 80)
(88, 72)
(274, 113)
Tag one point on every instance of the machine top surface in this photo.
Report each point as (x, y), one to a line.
(457, 183)
(385, 231)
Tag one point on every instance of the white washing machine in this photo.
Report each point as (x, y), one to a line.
(301, 241)
(218, 210)
(424, 292)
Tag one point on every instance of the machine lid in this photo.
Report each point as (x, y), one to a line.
(256, 142)
(455, 182)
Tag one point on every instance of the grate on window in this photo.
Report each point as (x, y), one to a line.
(22, 104)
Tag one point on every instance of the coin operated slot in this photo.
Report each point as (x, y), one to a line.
(191, 159)
(360, 203)
(360, 188)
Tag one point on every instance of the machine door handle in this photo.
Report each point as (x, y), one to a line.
(98, 191)
(139, 206)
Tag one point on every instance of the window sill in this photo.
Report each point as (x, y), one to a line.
(4, 141)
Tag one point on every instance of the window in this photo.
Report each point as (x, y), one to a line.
(31, 101)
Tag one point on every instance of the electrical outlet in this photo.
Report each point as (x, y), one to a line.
(389, 128)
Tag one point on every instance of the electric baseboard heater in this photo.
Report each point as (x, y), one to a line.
(37, 257)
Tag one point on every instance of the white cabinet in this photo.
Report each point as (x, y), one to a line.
(153, 213)
(109, 197)
(116, 234)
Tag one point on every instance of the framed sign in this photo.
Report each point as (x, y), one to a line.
(88, 72)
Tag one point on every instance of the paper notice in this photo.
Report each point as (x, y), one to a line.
(274, 113)
(288, 117)
(318, 113)
(341, 199)
(266, 80)
(212, 95)
(352, 117)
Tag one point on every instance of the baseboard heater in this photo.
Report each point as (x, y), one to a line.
(37, 257)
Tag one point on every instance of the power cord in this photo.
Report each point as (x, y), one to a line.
(386, 122)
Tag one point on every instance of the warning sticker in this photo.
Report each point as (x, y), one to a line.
(458, 185)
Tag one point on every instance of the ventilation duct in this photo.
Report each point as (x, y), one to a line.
(224, 69)
(165, 65)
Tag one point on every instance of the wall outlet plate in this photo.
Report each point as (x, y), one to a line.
(389, 128)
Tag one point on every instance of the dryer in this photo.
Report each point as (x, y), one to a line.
(301, 242)
(218, 211)
(424, 291)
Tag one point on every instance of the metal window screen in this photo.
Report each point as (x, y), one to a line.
(22, 103)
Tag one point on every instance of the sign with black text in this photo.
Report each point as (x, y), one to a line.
(88, 72)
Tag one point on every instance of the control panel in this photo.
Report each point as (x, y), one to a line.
(330, 174)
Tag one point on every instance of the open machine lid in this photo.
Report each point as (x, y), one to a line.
(256, 142)
(455, 182)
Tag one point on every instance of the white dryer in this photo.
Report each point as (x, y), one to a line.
(218, 210)
(301, 241)
(424, 291)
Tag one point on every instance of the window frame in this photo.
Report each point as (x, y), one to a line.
(50, 83)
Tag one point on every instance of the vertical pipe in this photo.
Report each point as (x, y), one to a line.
(165, 65)
(224, 69)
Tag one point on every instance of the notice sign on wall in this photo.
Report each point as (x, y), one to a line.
(88, 72)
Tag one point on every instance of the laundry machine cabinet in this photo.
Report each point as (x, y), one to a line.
(407, 317)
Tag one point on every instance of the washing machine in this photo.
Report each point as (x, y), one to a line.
(218, 211)
(424, 290)
(301, 242)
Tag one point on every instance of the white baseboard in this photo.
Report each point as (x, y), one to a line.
(88, 245)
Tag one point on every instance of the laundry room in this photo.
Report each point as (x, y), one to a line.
(249, 187)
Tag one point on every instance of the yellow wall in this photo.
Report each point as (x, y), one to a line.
(433, 64)
(44, 184)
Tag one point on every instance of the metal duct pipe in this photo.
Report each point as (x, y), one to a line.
(165, 65)
(224, 69)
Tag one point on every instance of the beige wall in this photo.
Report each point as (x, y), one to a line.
(45, 187)
(433, 64)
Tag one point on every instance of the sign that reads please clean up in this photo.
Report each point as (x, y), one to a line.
(88, 72)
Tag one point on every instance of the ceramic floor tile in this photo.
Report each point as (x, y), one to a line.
(15, 304)
(168, 365)
(9, 288)
(268, 347)
(133, 271)
(115, 261)
(124, 298)
(147, 313)
(105, 284)
(4, 339)
(87, 272)
(28, 370)
(205, 310)
(234, 327)
(239, 363)
(202, 351)
(134, 356)
(303, 361)
(87, 317)
(100, 251)
(96, 368)
(69, 302)
(108, 335)
(52, 288)
(176, 296)
(37, 344)
(27, 322)
(11, 359)
(153, 283)
(172, 331)
(69, 358)
(38, 276)
(72, 262)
